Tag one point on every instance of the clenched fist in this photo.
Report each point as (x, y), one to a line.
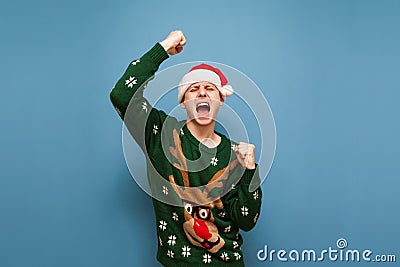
(245, 155)
(174, 42)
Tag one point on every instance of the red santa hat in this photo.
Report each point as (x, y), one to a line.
(204, 73)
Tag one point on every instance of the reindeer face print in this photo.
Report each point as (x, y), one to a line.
(200, 229)
(199, 224)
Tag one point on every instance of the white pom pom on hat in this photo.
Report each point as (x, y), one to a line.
(204, 73)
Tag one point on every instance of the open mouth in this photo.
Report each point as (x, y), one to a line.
(203, 108)
(206, 243)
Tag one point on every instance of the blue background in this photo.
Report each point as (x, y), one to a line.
(329, 70)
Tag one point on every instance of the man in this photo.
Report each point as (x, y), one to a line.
(199, 178)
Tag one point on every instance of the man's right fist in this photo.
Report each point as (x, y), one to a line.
(174, 42)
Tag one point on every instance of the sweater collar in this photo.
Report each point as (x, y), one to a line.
(224, 141)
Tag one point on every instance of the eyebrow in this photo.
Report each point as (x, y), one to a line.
(206, 85)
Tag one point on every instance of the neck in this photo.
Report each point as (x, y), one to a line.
(204, 133)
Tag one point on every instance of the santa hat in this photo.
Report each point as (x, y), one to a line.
(201, 73)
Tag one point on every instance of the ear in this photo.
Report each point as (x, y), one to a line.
(221, 99)
(183, 101)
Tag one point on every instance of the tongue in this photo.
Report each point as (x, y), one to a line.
(203, 110)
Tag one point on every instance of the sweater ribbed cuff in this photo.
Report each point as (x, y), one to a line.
(157, 54)
(249, 174)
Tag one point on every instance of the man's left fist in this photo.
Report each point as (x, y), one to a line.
(245, 155)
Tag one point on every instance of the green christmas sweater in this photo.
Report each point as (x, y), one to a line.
(201, 195)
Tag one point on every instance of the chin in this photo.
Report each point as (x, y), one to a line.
(203, 121)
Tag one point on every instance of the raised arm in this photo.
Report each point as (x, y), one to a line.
(141, 70)
(128, 91)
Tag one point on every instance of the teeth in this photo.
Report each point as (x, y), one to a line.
(203, 105)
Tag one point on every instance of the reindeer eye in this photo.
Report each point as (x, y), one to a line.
(203, 214)
(189, 208)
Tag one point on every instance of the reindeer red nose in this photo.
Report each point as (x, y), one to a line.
(201, 229)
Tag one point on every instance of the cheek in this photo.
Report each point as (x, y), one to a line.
(185, 103)
(211, 218)
(187, 216)
(189, 96)
(217, 96)
(189, 104)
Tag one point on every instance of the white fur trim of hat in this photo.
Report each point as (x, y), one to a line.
(204, 73)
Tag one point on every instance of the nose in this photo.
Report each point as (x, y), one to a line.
(201, 229)
(202, 91)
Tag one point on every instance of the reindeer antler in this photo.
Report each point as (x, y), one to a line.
(223, 174)
(195, 194)
(178, 154)
(219, 177)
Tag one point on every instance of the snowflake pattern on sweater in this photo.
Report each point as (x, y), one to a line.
(203, 230)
